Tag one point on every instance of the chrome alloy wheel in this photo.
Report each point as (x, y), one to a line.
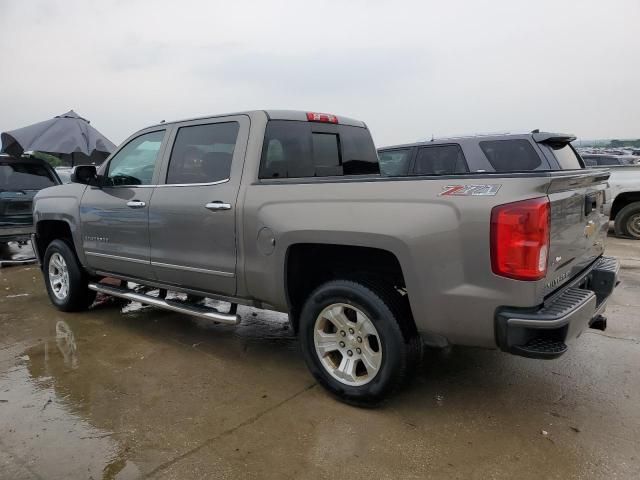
(58, 276)
(347, 344)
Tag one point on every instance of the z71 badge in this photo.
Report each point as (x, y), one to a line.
(471, 190)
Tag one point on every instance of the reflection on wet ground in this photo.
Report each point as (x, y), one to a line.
(130, 391)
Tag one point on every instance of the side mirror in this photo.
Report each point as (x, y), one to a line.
(85, 174)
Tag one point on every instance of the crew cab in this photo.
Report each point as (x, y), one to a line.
(287, 211)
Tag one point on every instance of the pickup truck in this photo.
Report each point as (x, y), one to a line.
(624, 205)
(287, 211)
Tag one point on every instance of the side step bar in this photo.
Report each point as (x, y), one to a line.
(195, 310)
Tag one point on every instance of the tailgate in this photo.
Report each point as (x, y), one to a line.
(578, 223)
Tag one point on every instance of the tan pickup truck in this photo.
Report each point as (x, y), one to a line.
(287, 210)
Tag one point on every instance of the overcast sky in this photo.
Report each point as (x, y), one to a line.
(409, 69)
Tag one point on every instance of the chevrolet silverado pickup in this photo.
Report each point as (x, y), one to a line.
(287, 211)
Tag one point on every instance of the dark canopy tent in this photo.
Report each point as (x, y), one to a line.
(68, 137)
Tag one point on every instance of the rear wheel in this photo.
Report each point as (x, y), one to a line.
(627, 221)
(65, 279)
(357, 341)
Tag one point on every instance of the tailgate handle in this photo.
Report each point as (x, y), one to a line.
(590, 203)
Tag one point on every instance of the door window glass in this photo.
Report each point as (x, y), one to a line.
(440, 160)
(135, 163)
(203, 153)
(394, 162)
(511, 155)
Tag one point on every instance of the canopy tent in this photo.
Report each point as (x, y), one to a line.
(68, 136)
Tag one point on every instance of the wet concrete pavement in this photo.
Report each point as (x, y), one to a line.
(149, 393)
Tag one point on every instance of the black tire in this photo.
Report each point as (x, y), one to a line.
(389, 312)
(627, 222)
(78, 296)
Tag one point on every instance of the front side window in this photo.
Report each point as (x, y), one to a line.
(203, 153)
(511, 155)
(440, 160)
(394, 162)
(135, 163)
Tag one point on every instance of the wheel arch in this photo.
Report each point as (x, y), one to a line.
(622, 200)
(307, 265)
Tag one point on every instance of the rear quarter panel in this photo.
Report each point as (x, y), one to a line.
(441, 243)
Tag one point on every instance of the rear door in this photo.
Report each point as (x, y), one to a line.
(193, 213)
(115, 216)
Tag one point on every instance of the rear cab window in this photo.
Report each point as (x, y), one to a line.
(295, 149)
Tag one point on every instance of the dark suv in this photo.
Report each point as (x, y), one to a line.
(20, 180)
(481, 153)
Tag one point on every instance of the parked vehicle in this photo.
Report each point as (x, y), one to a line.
(20, 180)
(481, 153)
(287, 211)
(623, 200)
(601, 160)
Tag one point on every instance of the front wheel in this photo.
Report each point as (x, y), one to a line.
(627, 221)
(358, 340)
(65, 279)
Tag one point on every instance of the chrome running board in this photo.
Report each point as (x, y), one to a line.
(195, 310)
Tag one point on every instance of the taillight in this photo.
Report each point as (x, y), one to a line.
(520, 239)
(321, 117)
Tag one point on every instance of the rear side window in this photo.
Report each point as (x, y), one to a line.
(511, 155)
(202, 153)
(604, 161)
(293, 149)
(394, 162)
(440, 160)
(15, 177)
(566, 155)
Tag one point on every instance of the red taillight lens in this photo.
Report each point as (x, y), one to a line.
(520, 239)
(321, 117)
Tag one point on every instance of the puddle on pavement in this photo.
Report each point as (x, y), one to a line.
(43, 433)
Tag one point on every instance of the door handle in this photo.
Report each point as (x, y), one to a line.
(136, 204)
(215, 206)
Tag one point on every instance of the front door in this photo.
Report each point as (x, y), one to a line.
(192, 224)
(115, 216)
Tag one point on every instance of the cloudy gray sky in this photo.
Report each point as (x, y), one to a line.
(409, 69)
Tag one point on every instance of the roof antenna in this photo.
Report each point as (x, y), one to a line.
(537, 130)
(432, 137)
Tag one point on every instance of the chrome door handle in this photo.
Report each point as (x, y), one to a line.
(215, 206)
(136, 204)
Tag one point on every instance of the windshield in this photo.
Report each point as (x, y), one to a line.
(15, 177)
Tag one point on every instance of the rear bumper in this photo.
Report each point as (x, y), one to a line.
(12, 234)
(542, 332)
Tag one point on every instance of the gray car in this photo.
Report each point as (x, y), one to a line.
(287, 211)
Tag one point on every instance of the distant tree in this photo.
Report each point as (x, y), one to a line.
(51, 159)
